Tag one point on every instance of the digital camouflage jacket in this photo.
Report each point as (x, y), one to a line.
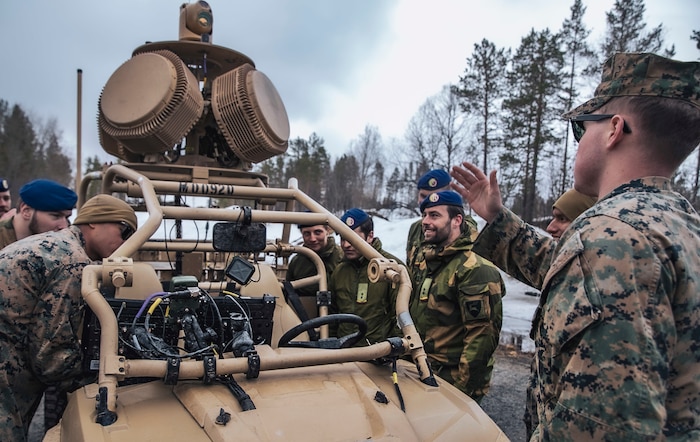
(351, 292)
(456, 306)
(302, 267)
(617, 331)
(40, 312)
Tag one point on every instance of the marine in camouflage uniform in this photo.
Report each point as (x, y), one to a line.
(41, 308)
(302, 267)
(616, 332)
(456, 306)
(40, 303)
(532, 270)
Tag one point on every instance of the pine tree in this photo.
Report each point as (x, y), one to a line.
(626, 30)
(578, 57)
(482, 90)
(534, 84)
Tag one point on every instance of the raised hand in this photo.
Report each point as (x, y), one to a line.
(480, 192)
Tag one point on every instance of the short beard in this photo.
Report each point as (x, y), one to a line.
(33, 225)
(441, 236)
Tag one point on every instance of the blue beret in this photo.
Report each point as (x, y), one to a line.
(354, 218)
(434, 179)
(47, 196)
(442, 198)
(4, 185)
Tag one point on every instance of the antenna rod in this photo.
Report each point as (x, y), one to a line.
(78, 172)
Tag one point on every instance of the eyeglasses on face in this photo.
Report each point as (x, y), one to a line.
(127, 230)
(579, 129)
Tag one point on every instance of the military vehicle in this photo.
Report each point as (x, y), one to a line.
(199, 339)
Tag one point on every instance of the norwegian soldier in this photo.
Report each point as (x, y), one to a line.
(456, 301)
(351, 290)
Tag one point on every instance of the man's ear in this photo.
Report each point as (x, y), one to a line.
(615, 132)
(25, 211)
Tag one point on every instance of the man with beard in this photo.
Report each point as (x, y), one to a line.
(432, 181)
(43, 206)
(456, 301)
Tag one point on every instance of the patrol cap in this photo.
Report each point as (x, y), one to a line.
(572, 203)
(434, 179)
(47, 196)
(4, 185)
(442, 198)
(644, 74)
(354, 218)
(104, 208)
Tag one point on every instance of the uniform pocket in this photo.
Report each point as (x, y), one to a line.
(576, 305)
(474, 300)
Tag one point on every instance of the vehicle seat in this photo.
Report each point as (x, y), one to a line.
(264, 281)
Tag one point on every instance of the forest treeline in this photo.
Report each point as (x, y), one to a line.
(502, 112)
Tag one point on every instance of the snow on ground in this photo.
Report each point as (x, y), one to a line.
(519, 303)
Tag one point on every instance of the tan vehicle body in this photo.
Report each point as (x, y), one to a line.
(297, 393)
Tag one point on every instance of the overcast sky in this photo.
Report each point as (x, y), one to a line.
(338, 65)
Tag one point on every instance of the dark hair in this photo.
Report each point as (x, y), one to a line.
(453, 211)
(366, 227)
(671, 125)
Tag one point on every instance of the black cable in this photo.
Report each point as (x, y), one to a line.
(241, 396)
(395, 376)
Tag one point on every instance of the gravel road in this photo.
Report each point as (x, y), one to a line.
(505, 402)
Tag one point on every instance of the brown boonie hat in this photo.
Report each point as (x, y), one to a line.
(644, 74)
(104, 208)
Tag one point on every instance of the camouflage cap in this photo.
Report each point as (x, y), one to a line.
(636, 74)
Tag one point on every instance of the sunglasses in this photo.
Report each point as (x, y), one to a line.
(578, 128)
(127, 230)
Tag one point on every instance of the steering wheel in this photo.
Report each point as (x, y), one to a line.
(329, 343)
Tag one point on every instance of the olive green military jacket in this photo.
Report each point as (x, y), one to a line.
(302, 267)
(40, 314)
(7, 232)
(351, 292)
(617, 332)
(456, 306)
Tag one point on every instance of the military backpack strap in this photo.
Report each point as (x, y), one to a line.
(292, 298)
